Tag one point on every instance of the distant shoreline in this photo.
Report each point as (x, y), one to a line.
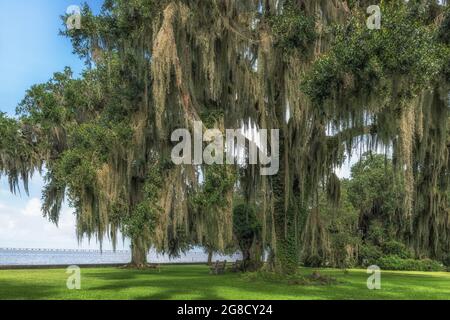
(90, 266)
(13, 258)
(57, 266)
(65, 250)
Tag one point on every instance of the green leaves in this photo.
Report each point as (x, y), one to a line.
(76, 169)
(218, 181)
(405, 46)
(48, 104)
(293, 29)
(142, 220)
(245, 222)
(19, 154)
(374, 183)
(246, 228)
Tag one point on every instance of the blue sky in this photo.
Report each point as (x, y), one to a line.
(31, 50)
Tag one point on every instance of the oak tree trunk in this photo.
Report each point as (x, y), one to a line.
(138, 253)
(210, 256)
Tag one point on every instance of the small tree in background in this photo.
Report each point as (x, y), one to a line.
(247, 231)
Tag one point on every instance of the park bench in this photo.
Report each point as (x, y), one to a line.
(218, 267)
(237, 266)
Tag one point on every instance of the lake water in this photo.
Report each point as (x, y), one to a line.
(14, 257)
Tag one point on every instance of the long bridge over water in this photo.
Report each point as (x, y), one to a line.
(65, 250)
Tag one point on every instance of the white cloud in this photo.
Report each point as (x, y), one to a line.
(22, 224)
(33, 208)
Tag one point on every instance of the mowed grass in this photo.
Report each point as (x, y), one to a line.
(194, 282)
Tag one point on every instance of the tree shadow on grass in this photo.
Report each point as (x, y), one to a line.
(167, 285)
(202, 286)
(349, 287)
(19, 290)
(129, 274)
(194, 282)
(206, 294)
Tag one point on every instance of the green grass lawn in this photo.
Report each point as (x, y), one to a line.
(194, 282)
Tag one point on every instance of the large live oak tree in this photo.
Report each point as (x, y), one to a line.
(309, 68)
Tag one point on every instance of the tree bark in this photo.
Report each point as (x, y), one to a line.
(257, 254)
(138, 253)
(246, 258)
(210, 256)
(286, 252)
